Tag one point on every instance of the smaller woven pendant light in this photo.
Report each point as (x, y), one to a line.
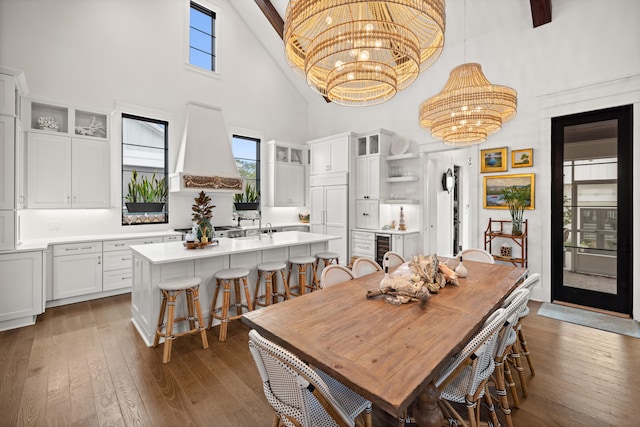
(469, 108)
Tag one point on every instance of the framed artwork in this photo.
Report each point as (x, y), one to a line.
(522, 158)
(493, 186)
(493, 160)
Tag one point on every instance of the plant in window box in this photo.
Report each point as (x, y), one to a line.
(247, 201)
(516, 198)
(202, 213)
(146, 195)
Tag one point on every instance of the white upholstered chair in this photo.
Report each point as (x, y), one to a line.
(394, 259)
(476, 254)
(363, 266)
(333, 274)
(302, 396)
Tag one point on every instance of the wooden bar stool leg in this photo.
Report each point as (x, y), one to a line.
(224, 322)
(213, 304)
(302, 278)
(198, 310)
(268, 293)
(285, 284)
(236, 285)
(163, 307)
(190, 315)
(247, 295)
(168, 339)
(256, 291)
(289, 274)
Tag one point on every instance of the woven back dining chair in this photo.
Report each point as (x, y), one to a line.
(363, 266)
(477, 254)
(464, 379)
(333, 274)
(301, 396)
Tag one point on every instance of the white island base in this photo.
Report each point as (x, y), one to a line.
(159, 262)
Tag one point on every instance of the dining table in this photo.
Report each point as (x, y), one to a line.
(390, 354)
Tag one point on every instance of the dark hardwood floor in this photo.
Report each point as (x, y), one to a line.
(84, 364)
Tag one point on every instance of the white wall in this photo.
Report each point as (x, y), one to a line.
(109, 54)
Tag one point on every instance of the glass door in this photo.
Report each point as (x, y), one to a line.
(592, 209)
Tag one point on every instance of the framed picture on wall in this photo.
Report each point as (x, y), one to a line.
(493, 160)
(494, 184)
(522, 158)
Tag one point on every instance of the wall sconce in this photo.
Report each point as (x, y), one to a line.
(447, 181)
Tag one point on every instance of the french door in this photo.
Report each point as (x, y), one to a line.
(592, 209)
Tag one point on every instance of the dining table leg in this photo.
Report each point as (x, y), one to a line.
(426, 411)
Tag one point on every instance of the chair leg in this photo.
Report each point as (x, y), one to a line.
(285, 284)
(238, 296)
(224, 321)
(509, 381)
(518, 365)
(168, 339)
(302, 278)
(276, 421)
(501, 391)
(190, 305)
(163, 307)
(525, 351)
(213, 304)
(198, 310)
(490, 406)
(245, 284)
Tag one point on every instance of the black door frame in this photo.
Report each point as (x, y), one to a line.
(621, 302)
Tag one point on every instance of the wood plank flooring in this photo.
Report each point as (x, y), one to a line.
(85, 365)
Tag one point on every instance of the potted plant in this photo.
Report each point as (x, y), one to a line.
(517, 198)
(202, 213)
(146, 195)
(247, 201)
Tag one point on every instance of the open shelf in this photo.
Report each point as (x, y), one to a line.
(401, 179)
(405, 156)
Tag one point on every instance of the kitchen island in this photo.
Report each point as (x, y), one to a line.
(159, 262)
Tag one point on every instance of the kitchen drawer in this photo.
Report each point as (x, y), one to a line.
(365, 247)
(172, 239)
(117, 260)
(116, 245)
(117, 279)
(77, 248)
(363, 235)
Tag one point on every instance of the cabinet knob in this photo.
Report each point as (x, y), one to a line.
(99, 260)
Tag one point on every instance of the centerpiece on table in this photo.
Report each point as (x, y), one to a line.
(516, 198)
(202, 213)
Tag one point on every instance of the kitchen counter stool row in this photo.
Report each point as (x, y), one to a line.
(266, 293)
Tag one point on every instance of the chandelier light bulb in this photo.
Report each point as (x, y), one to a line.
(363, 55)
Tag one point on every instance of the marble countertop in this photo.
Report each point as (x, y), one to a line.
(160, 253)
(381, 231)
(41, 244)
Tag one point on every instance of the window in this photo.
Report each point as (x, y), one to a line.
(202, 37)
(246, 152)
(144, 170)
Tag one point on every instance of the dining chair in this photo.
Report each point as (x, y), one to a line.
(476, 254)
(521, 348)
(334, 274)
(514, 304)
(395, 259)
(302, 396)
(363, 266)
(464, 379)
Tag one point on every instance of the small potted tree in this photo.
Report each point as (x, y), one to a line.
(517, 198)
(146, 195)
(247, 201)
(202, 213)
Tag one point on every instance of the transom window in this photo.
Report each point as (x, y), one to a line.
(202, 37)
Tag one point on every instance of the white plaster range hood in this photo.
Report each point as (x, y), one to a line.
(205, 160)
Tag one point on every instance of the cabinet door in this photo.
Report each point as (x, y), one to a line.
(336, 206)
(289, 184)
(397, 245)
(7, 94)
(317, 207)
(20, 285)
(7, 230)
(77, 275)
(321, 157)
(90, 173)
(7, 155)
(48, 171)
(362, 177)
(20, 195)
(367, 214)
(340, 155)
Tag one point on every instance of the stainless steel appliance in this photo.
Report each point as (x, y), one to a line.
(383, 245)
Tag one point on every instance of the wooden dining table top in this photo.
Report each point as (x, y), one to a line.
(387, 353)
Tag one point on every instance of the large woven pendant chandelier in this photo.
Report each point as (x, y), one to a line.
(469, 107)
(357, 52)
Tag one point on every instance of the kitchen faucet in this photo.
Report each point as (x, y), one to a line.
(269, 230)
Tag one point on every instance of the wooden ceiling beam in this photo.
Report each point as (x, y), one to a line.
(540, 12)
(272, 16)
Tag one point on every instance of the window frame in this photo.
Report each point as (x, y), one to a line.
(207, 6)
(258, 141)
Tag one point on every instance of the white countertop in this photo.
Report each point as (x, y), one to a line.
(160, 253)
(41, 244)
(380, 231)
(247, 225)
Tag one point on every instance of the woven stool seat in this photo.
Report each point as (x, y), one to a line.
(269, 272)
(224, 278)
(327, 255)
(302, 263)
(327, 259)
(170, 291)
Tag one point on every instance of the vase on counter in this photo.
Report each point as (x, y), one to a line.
(205, 230)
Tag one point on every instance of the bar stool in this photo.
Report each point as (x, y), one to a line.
(170, 291)
(268, 271)
(327, 258)
(302, 262)
(224, 278)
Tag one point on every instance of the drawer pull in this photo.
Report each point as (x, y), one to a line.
(126, 278)
(77, 249)
(125, 259)
(119, 244)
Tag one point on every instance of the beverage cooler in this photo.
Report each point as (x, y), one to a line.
(383, 245)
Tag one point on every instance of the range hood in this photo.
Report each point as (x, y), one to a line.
(205, 160)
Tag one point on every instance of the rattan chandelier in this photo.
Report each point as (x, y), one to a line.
(358, 52)
(469, 107)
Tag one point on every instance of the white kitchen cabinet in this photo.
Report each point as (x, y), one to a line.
(7, 230)
(289, 185)
(7, 94)
(7, 158)
(66, 121)
(329, 215)
(21, 279)
(65, 172)
(368, 174)
(406, 245)
(118, 261)
(331, 154)
(285, 174)
(77, 269)
(363, 244)
(367, 214)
